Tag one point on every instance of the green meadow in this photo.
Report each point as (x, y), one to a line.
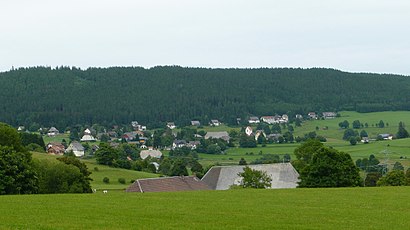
(386, 151)
(339, 208)
(98, 172)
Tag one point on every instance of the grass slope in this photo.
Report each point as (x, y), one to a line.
(341, 208)
(386, 151)
(104, 171)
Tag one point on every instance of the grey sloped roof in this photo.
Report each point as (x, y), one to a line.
(283, 175)
(168, 184)
(217, 135)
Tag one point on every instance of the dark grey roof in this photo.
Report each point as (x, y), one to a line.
(168, 184)
(283, 175)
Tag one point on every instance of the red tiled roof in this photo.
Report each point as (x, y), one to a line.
(168, 184)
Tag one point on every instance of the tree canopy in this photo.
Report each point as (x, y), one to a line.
(320, 166)
(64, 96)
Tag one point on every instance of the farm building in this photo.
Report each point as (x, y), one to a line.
(150, 153)
(168, 184)
(283, 175)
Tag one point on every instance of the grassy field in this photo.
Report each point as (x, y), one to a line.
(104, 171)
(386, 151)
(342, 208)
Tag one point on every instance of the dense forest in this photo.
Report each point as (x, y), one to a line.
(68, 96)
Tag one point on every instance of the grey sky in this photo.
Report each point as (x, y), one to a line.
(351, 35)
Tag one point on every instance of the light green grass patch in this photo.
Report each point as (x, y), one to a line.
(341, 208)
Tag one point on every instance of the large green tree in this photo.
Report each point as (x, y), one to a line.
(402, 132)
(16, 172)
(330, 168)
(252, 178)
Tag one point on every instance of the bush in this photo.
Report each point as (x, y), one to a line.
(106, 180)
(96, 169)
(121, 180)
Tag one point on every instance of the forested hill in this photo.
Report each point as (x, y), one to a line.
(69, 96)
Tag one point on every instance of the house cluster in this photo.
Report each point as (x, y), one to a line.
(325, 115)
(277, 119)
(257, 133)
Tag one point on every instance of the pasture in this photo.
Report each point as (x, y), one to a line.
(337, 208)
(386, 151)
(98, 172)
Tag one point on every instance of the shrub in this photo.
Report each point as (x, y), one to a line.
(96, 169)
(121, 180)
(106, 180)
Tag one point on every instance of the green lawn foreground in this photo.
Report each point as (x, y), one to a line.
(339, 208)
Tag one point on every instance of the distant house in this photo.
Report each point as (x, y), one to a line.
(218, 135)
(385, 136)
(168, 184)
(150, 153)
(238, 120)
(53, 132)
(312, 115)
(21, 128)
(329, 115)
(55, 148)
(195, 123)
(268, 119)
(214, 123)
(253, 120)
(171, 125)
(76, 148)
(274, 136)
(178, 144)
(248, 131)
(129, 136)
(193, 144)
(365, 140)
(138, 126)
(87, 137)
(299, 116)
(258, 133)
(283, 175)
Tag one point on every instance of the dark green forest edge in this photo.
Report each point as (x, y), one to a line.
(66, 96)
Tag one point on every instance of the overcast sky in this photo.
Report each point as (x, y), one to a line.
(351, 35)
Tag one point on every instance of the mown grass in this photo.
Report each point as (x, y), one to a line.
(397, 150)
(341, 208)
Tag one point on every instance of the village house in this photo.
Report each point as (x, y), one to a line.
(136, 126)
(178, 144)
(253, 120)
(312, 115)
(329, 115)
(299, 116)
(218, 135)
(248, 131)
(195, 123)
(171, 125)
(53, 132)
(55, 148)
(258, 133)
(193, 144)
(87, 137)
(268, 119)
(150, 153)
(214, 123)
(76, 148)
(385, 136)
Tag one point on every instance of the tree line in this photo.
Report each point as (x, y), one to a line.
(67, 96)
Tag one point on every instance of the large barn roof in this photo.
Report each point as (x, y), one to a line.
(283, 175)
(168, 184)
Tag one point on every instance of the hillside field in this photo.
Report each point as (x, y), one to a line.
(385, 151)
(341, 208)
(104, 171)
